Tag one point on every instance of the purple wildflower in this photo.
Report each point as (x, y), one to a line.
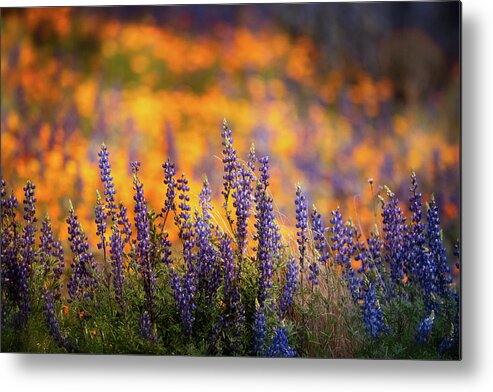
(83, 280)
(124, 223)
(11, 277)
(52, 321)
(143, 241)
(28, 252)
(184, 291)
(243, 198)
(301, 224)
(230, 161)
(100, 220)
(267, 232)
(259, 332)
(437, 250)
(424, 329)
(290, 287)
(146, 328)
(394, 238)
(416, 235)
(166, 249)
(372, 312)
(169, 205)
(279, 347)
(320, 243)
(170, 182)
(343, 248)
(185, 287)
(375, 250)
(208, 268)
(107, 180)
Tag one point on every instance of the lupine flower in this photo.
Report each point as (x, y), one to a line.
(183, 292)
(184, 223)
(83, 280)
(143, 241)
(11, 277)
(375, 250)
(259, 332)
(252, 158)
(8, 225)
(215, 335)
(52, 321)
(290, 287)
(166, 249)
(374, 257)
(437, 250)
(416, 236)
(280, 348)
(372, 312)
(424, 329)
(428, 280)
(394, 227)
(343, 249)
(116, 257)
(184, 288)
(320, 243)
(107, 180)
(208, 268)
(183, 219)
(3, 191)
(123, 223)
(230, 161)
(28, 253)
(52, 255)
(301, 224)
(146, 329)
(267, 233)
(170, 182)
(100, 220)
(243, 197)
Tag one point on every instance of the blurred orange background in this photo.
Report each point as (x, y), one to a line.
(153, 85)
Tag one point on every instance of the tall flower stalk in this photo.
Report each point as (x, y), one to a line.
(11, 277)
(267, 232)
(143, 243)
(83, 280)
(28, 253)
(184, 287)
(395, 232)
(107, 180)
(208, 267)
(302, 227)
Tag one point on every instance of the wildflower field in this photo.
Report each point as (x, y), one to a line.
(321, 219)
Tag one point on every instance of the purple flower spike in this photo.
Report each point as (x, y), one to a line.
(290, 287)
(107, 180)
(267, 232)
(301, 224)
(83, 280)
(143, 242)
(321, 245)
